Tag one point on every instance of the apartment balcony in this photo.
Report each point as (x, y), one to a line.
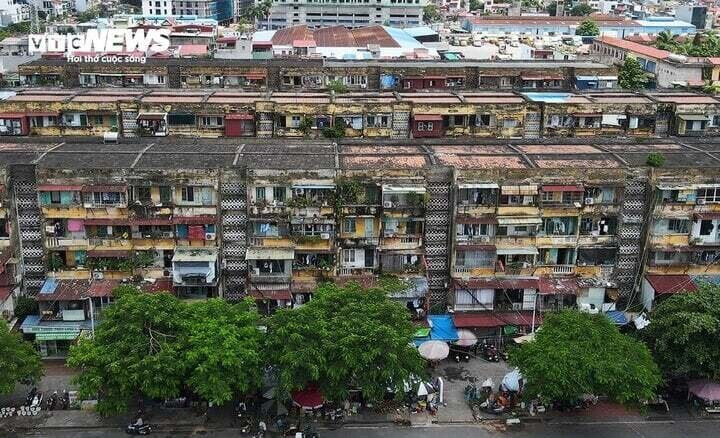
(71, 274)
(475, 210)
(401, 243)
(313, 243)
(590, 240)
(518, 210)
(670, 240)
(148, 243)
(4, 242)
(269, 277)
(355, 272)
(271, 241)
(104, 243)
(552, 240)
(65, 243)
(470, 272)
(70, 211)
(350, 239)
(464, 240)
(601, 209)
(512, 241)
(676, 210)
(516, 269)
(554, 270)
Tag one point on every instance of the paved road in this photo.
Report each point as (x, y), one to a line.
(698, 429)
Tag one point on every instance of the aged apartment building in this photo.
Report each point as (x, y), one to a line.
(490, 231)
(316, 74)
(110, 113)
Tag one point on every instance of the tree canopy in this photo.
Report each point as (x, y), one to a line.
(551, 9)
(702, 44)
(156, 345)
(431, 14)
(577, 353)
(631, 75)
(475, 5)
(581, 10)
(683, 333)
(345, 337)
(19, 361)
(587, 28)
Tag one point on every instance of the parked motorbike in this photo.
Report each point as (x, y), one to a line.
(135, 429)
(52, 401)
(459, 353)
(30, 396)
(36, 400)
(65, 400)
(490, 353)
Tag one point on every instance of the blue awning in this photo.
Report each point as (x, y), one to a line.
(49, 286)
(442, 328)
(617, 316)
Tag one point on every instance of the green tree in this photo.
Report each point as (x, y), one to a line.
(25, 306)
(631, 75)
(345, 337)
(337, 87)
(551, 9)
(577, 353)
(581, 10)
(587, 28)
(223, 349)
(475, 5)
(683, 331)
(431, 14)
(655, 159)
(155, 345)
(20, 361)
(665, 41)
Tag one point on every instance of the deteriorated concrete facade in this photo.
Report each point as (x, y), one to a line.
(491, 229)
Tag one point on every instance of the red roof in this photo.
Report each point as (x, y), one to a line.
(558, 285)
(630, 46)
(5, 293)
(670, 284)
(272, 294)
(160, 285)
(101, 288)
(498, 283)
(495, 319)
(574, 188)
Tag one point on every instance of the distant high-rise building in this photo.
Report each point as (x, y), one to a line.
(694, 14)
(351, 13)
(220, 10)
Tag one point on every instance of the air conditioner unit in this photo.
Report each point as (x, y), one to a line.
(700, 201)
(589, 201)
(325, 236)
(209, 236)
(517, 306)
(97, 275)
(485, 239)
(387, 204)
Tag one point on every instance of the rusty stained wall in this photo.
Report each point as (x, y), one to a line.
(571, 109)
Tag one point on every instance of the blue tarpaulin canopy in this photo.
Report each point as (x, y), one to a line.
(617, 317)
(442, 328)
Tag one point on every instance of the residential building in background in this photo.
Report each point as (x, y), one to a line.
(612, 25)
(697, 15)
(13, 11)
(394, 13)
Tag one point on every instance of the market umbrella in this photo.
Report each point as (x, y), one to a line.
(705, 389)
(434, 350)
(308, 398)
(466, 338)
(511, 381)
(424, 389)
(274, 408)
